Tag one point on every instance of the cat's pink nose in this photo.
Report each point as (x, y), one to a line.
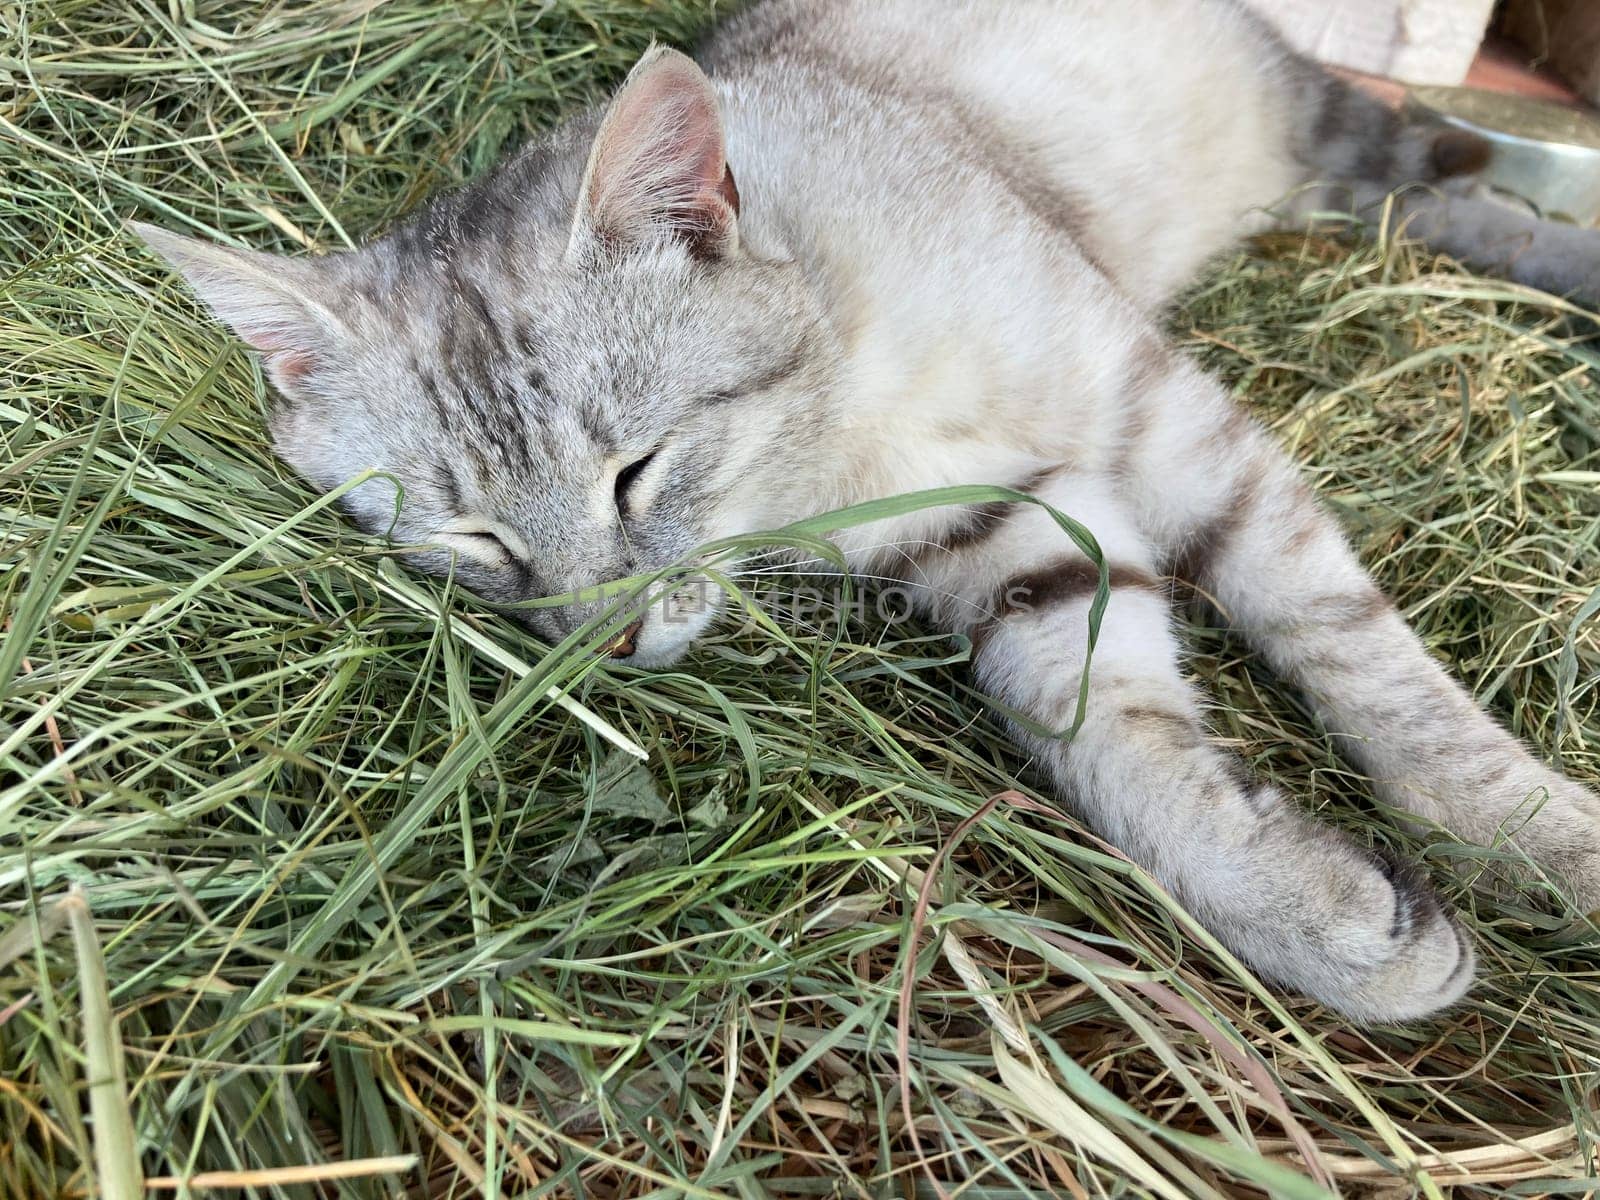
(626, 642)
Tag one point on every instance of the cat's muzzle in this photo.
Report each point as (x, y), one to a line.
(626, 642)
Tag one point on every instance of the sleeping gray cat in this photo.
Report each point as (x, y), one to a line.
(942, 260)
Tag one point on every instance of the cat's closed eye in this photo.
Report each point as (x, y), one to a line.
(480, 545)
(628, 477)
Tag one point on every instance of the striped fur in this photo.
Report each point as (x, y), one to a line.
(943, 261)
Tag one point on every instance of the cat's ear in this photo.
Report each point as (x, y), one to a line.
(659, 164)
(275, 304)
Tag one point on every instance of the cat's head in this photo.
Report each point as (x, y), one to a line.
(577, 370)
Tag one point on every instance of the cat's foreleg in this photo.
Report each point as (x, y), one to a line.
(1245, 529)
(1297, 899)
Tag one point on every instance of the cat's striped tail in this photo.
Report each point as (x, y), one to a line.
(1346, 135)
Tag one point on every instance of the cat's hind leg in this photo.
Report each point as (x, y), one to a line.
(1421, 179)
(1298, 900)
(1553, 256)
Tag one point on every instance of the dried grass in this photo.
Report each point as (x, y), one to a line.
(375, 916)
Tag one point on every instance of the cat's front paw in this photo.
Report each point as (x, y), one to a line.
(1579, 866)
(1392, 953)
(1558, 830)
(1574, 870)
(1420, 963)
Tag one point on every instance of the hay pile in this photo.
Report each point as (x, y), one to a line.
(359, 902)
